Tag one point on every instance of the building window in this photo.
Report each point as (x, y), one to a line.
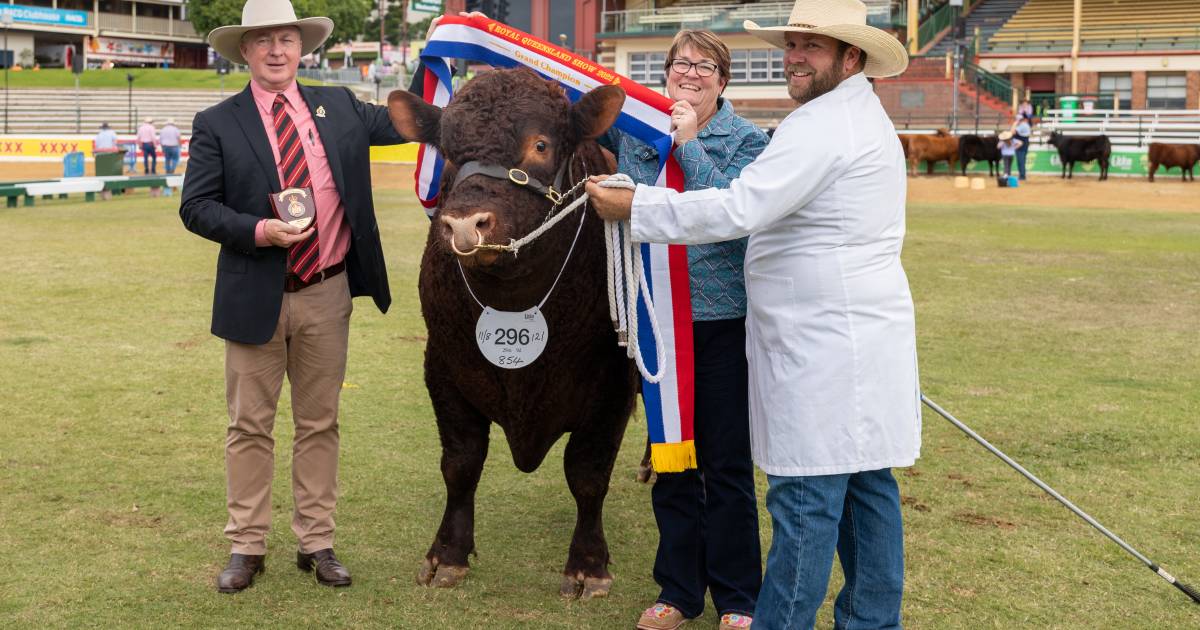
(647, 68)
(759, 65)
(1119, 86)
(1166, 90)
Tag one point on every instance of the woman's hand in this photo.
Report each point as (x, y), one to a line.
(683, 122)
(433, 24)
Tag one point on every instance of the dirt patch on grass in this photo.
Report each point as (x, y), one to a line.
(981, 520)
(914, 503)
(1115, 194)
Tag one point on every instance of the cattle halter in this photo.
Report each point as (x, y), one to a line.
(522, 178)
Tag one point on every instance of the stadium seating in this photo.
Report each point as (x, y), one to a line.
(1046, 25)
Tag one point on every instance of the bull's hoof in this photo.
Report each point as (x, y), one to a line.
(596, 587)
(449, 577)
(571, 586)
(425, 575)
(645, 473)
(440, 575)
(580, 587)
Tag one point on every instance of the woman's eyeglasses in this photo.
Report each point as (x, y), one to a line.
(703, 68)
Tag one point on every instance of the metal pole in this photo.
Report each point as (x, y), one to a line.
(978, 89)
(7, 62)
(1188, 590)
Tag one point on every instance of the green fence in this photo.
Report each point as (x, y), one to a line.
(1129, 163)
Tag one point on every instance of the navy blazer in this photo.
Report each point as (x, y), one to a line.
(231, 173)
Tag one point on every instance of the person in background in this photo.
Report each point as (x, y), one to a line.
(169, 138)
(145, 139)
(1008, 146)
(1025, 110)
(1022, 130)
(106, 140)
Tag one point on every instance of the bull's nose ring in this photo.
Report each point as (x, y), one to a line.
(478, 244)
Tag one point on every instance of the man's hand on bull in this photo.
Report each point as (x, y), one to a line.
(612, 204)
(282, 234)
(683, 122)
(433, 24)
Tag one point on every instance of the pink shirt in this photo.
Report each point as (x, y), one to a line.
(145, 134)
(332, 230)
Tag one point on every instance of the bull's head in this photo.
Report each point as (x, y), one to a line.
(502, 127)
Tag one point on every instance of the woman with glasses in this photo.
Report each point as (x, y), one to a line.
(707, 518)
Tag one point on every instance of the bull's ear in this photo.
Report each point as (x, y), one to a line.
(596, 111)
(413, 118)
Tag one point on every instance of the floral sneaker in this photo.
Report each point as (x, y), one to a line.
(732, 621)
(661, 617)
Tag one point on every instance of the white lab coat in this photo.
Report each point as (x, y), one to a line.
(831, 337)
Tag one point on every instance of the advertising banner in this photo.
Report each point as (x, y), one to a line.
(45, 16)
(1123, 163)
(130, 50)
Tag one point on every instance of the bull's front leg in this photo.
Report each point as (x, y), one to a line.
(588, 463)
(464, 436)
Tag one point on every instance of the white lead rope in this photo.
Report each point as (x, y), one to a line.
(625, 279)
(624, 276)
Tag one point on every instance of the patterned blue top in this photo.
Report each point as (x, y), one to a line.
(718, 154)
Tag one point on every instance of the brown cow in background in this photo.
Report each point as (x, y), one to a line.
(1169, 156)
(930, 149)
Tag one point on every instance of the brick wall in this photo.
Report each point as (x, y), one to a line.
(1138, 101)
(1193, 89)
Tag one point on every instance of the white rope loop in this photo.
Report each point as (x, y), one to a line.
(624, 302)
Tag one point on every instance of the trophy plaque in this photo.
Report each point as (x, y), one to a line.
(295, 206)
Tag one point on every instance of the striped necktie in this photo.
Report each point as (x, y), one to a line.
(302, 256)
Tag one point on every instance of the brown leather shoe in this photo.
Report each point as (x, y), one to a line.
(239, 573)
(329, 571)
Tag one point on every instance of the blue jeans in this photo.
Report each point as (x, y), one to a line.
(708, 517)
(149, 158)
(859, 515)
(170, 158)
(1021, 155)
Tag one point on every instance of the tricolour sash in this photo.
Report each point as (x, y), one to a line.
(646, 116)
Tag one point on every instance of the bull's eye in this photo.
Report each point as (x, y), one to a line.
(540, 146)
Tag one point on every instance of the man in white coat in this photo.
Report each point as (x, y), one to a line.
(834, 397)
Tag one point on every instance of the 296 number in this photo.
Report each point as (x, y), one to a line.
(511, 336)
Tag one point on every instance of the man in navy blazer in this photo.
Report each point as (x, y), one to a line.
(283, 292)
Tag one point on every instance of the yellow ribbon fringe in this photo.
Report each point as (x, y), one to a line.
(673, 457)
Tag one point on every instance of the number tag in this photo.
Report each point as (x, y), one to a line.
(511, 340)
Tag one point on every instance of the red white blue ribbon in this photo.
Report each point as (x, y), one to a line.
(645, 115)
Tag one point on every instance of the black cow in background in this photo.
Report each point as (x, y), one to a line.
(979, 148)
(1072, 149)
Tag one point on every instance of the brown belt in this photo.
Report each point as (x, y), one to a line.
(293, 283)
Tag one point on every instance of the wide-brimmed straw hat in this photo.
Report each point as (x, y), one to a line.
(1006, 135)
(844, 20)
(256, 14)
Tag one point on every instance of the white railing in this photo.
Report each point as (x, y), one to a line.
(710, 16)
(1135, 127)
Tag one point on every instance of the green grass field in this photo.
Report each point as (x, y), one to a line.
(1066, 336)
(143, 79)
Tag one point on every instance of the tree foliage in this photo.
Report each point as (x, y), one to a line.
(349, 16)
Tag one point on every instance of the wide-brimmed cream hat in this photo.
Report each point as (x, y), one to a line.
(227, 40)
(844, 20)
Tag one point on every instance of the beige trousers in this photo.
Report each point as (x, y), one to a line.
(309, 345)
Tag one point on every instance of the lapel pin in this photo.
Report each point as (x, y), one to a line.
(320, 111)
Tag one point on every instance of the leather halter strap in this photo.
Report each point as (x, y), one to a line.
(516, 176)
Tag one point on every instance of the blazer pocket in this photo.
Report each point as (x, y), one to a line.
(771, 303)
(231, 261)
